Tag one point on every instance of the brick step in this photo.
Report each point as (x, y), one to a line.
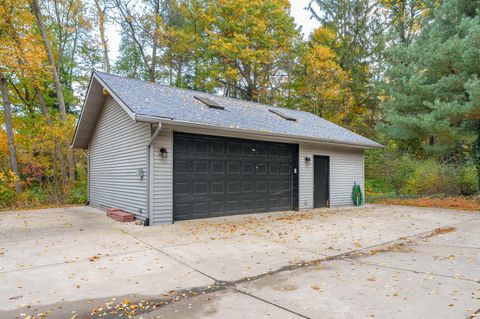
(120, 215)
(112, 210)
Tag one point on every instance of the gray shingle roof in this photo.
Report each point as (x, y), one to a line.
(156, 100)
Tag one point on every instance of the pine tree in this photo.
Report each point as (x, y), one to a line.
(433, 84)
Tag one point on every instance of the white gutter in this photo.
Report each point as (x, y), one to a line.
(154, 119)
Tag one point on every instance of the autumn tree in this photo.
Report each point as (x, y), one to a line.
(21, 56)
(144, 22)
(101, 14)
(35, 5)
(247, 40)
(404, 18)
(129, 61)
(7, 113)
(324, 85)
(358, 38)
(184, 59)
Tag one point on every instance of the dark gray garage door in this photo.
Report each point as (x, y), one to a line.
(218, 176)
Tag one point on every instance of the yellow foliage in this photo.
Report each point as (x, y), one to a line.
(3, 142)
(325, 82)
(21, 48)
(249, 36)
(323, 35)
(7, 187)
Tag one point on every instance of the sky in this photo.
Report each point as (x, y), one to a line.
(302, 18)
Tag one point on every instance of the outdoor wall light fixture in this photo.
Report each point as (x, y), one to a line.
(163, 152)
(308, 160)
(141, 173)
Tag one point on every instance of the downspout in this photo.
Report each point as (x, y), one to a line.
(87, 155)
(150, 158)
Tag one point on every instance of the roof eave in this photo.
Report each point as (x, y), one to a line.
(163, 120)
(76, 144)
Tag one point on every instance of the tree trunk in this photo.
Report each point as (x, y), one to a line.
(56, 79)
(7, 113)
(153, 64)
(58, 87)
(43, 105)
(103, 39)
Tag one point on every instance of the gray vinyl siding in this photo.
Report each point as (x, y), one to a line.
(346, 167)
(163, 178)
(118, 149)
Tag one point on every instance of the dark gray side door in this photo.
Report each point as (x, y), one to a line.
(321, 181)
(220, 176)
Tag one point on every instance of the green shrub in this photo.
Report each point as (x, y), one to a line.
(466, 180)
(32, 197)
(429, 178)
(432, 178)
(377, 186)
(7, 197)
(7, 189)
(78, 193)
(398, 170)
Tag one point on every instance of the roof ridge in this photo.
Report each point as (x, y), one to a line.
(201, 92)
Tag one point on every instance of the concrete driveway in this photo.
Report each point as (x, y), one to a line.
(372, 262)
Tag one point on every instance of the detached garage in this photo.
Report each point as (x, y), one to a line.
(166, 154)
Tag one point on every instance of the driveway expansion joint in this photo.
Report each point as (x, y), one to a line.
(168, 255)
(74, 261)
(220, 285)
(273, 304)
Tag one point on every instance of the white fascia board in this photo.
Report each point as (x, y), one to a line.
(291, 138)
(82, 111)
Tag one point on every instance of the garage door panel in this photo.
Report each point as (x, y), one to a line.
(247, 187)
(233, 148)
(218, 147)
(181, 188)
(247, 168)
(285, 152)
(218, 187)
(261, 187)
(200, 167)
(217, 176)
(217, 167)
(233, 187)
(200, 188)
(182, 167)
(286, 169)
(247, 205)
(232, 206)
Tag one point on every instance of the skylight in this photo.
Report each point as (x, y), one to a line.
(283, 115)
(210, 103)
